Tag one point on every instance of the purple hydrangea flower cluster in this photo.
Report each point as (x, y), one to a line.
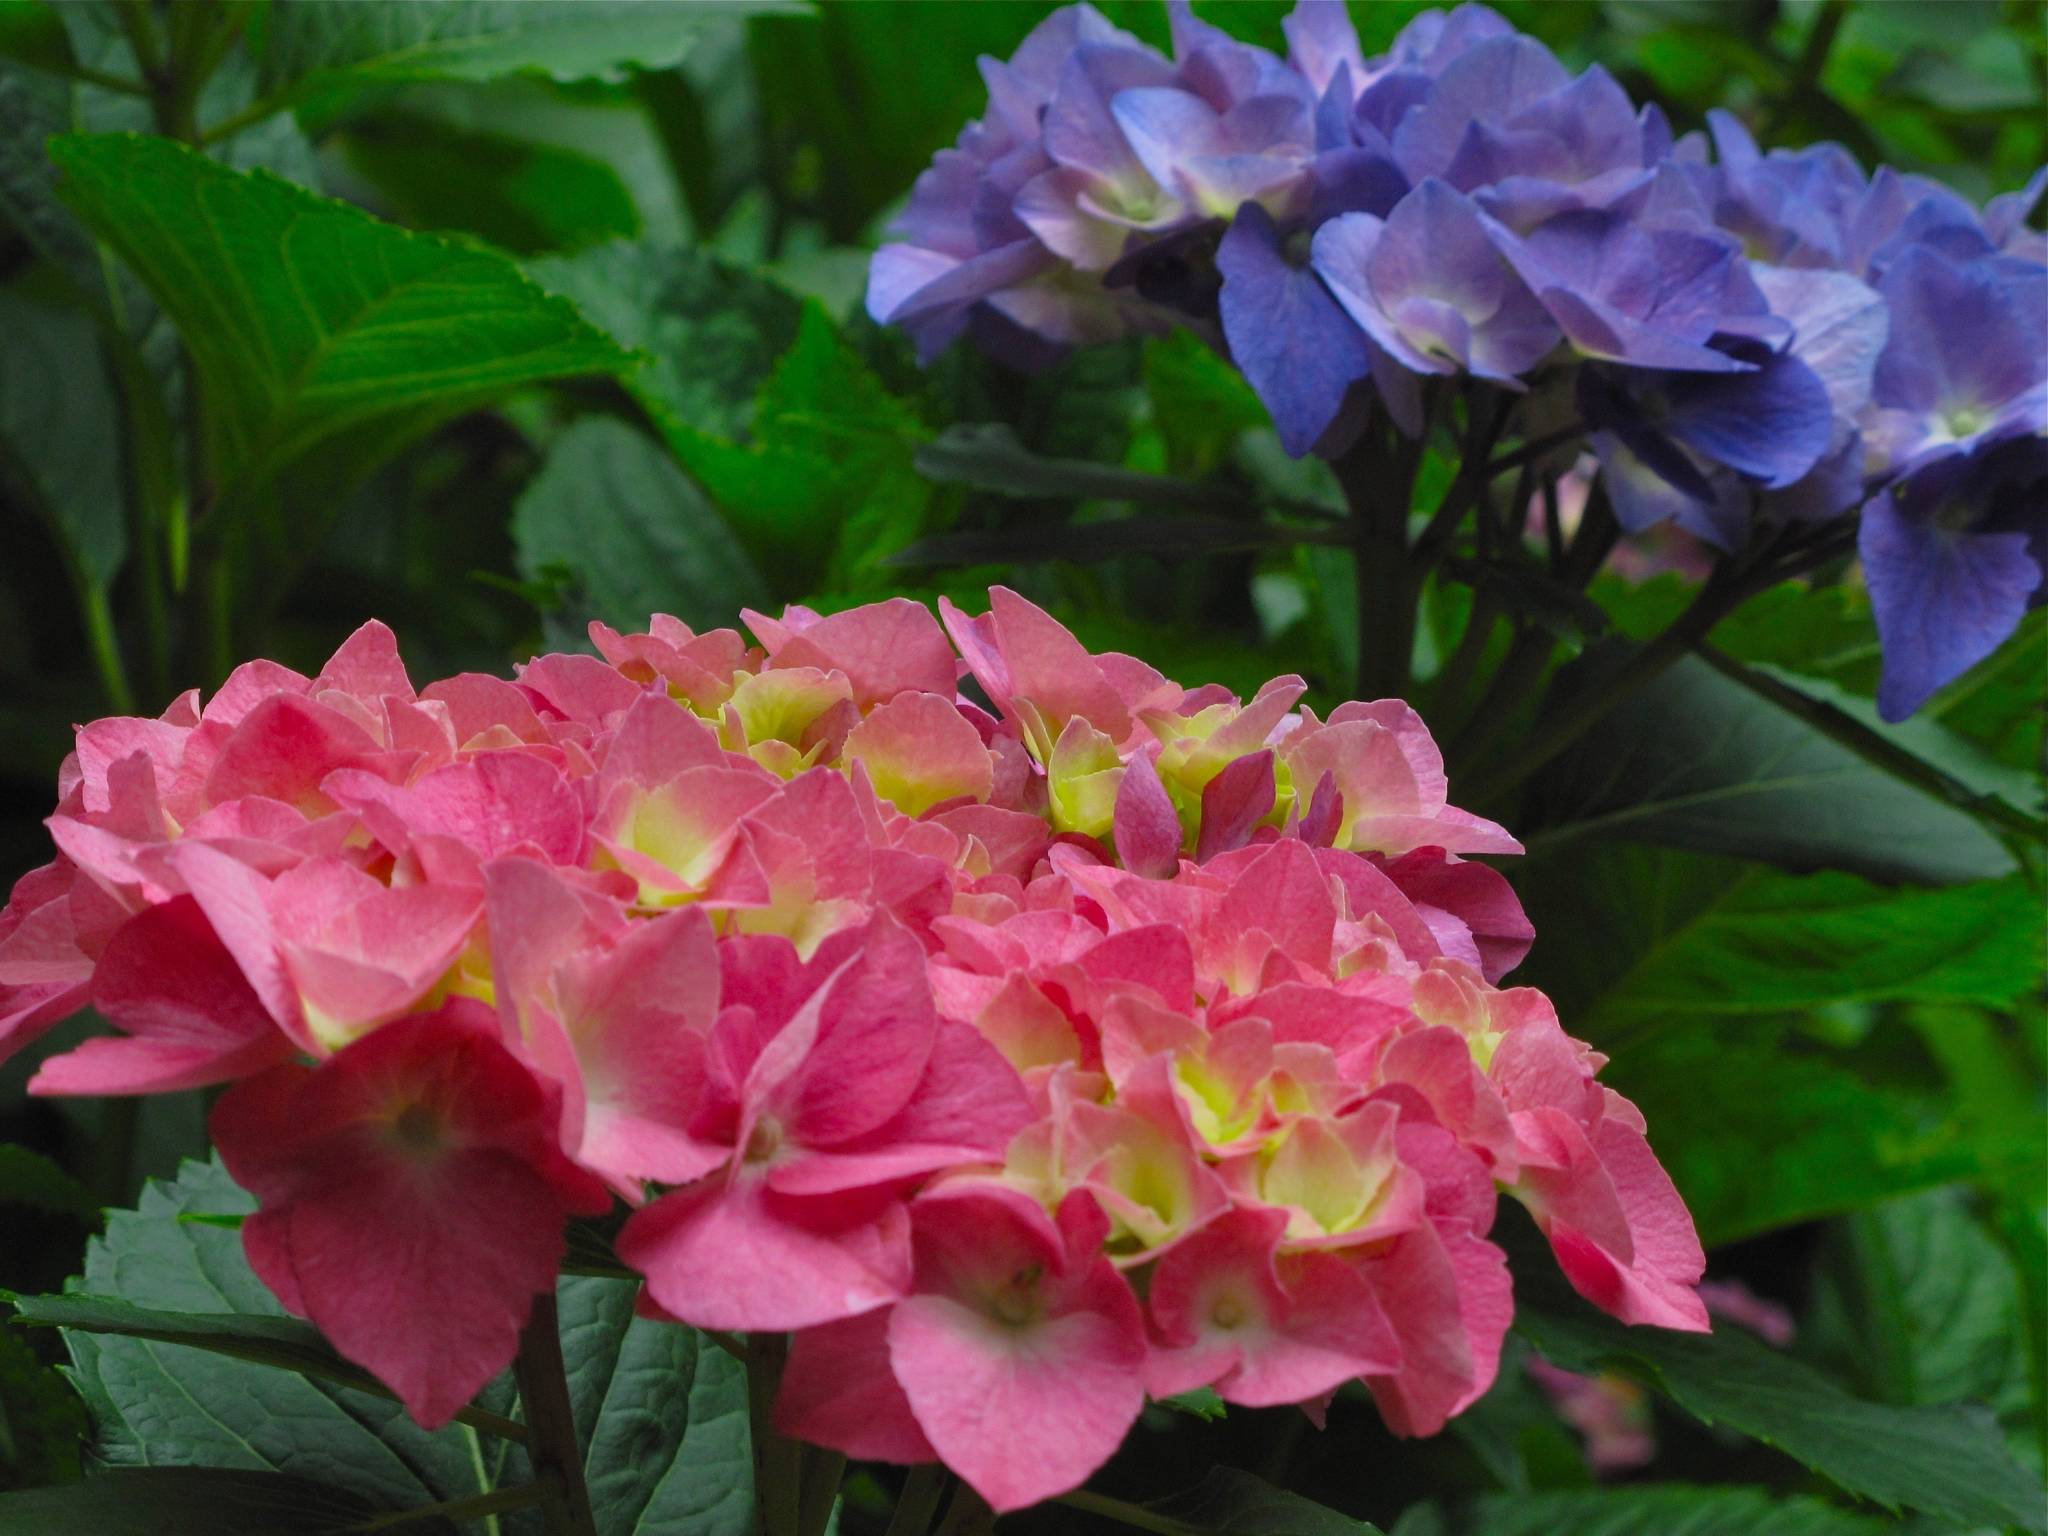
(1747, 338)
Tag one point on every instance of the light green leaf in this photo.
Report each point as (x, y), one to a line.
(194, 1501)
(324, 339)
(614, 511)
(661, 1413)
(309, 42)
(1949, 1462)
(1697, 761)
(1640, 1511)
(58, 422)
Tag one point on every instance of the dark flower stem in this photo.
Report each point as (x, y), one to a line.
(550, 1423)
(795, 1485)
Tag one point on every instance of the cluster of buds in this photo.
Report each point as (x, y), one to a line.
(1021, 1055)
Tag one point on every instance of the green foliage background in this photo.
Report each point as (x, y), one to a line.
(487, 319)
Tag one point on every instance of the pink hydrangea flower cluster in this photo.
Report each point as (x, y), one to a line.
(1114, 1039)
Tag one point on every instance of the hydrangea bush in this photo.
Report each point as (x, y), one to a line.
(906, 1064)
(1017, 1063)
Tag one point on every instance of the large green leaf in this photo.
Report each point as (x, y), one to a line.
(635, 537)
(1698, 761)
(1641, 1511)
(1950, 1462)
(661, 1413)
(1760, 1132)
(1680, 934)
(196, 1501)
(324, 339)
(42, 1423)
(1917, 1303)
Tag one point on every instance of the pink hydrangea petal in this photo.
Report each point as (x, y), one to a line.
(838, 1391)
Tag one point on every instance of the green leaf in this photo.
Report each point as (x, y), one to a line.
(520, 195)
(1201, 1403)
(1697, 761)
(58, 424)
(42, 1422)
(1682, 934)
(1948, 1462)
(324, 339)
(709, 332)
(1640, 1511)
(1916, 1302)
(1759, 1133)
(1226, 1503)
(194, 1501)
(284, 1343)
(32, 108)
(29, 1179)
(611, 507)
(32, 32)
(1199, 402)
(661, 1413)
(311, 42)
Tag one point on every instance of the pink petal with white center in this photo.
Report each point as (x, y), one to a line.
(838, 1391)
(188, 1018)
(1282, 896)
(1022, 1351)
(657, 739)
(411, 1200)
(729, 1252)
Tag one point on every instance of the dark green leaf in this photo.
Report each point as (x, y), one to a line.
(58, 422)
(32, 32)
(32, 108)
(520, 195)
(710, 332)
(42, 1422)
(1917, 1303)
(194, 1501)
(1227, 1503)
(324, 339)
(1697, 761)
(1948, 1462)
(612, 508)
(661, 1413)
(988, 457)
(1640, 1511)
(29, 1179)
(1199, 402)
(1759, 1133)
(285, 1343)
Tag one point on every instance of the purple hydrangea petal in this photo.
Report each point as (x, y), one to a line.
(1286, 334)
(1771, 425)
(1944, 598)
(1839, 326)
(1321, 41)
(1488, 83)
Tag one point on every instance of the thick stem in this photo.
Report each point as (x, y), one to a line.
(819, 1488)
(923, 1487)
(1377, 489)
(478, 1506)
(967, 1515)
(550, 1422)
(778, 1461)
